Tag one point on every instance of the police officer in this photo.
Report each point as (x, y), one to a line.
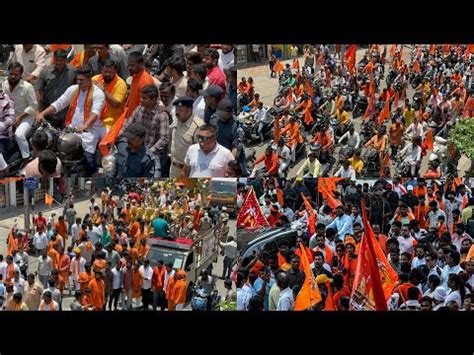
(183, 133)
(136, 160)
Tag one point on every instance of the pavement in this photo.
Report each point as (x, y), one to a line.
(267, 87)
(82, 207)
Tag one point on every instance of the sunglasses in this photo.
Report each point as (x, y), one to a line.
(204, 138)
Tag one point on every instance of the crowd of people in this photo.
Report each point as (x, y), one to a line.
(147, 110)
(101, 259)
(423, 228)
(390, 111)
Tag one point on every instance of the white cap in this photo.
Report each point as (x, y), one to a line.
(409, 187)
(439, 293)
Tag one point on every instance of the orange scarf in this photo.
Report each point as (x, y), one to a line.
(87, 105)
(43, 306)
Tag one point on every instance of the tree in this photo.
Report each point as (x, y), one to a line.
(462, 136)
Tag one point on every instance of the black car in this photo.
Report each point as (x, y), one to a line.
(265, 240)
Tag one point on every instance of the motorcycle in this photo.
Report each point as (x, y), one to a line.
(392, 74)
(203, 300)
(250, 127)
(360, 106)
(370, 156)
(417, 97)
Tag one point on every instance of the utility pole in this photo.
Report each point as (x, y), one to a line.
(27, 208)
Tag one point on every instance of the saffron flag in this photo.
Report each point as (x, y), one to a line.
(12, 243)
(311, 215)
(385, 164)
(278, 67)
(374, 278)
(470, 254)
(329, 304)
(276, 130)
(350, 57)
(48, 199)
(251, 215)
(429, 139)
(393, 49)
(370, 106)
(308, 88)
(296, 64)
(308, 118)
(329, 196)
(309, 294)
(416, 66)
(112, 135)
(385, 113)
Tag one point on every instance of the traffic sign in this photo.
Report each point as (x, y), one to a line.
(31, 183)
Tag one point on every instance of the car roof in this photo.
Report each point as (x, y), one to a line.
(267, 234)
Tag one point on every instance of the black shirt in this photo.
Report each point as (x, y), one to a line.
(296, 280)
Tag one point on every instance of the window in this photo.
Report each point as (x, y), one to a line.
(189, 262)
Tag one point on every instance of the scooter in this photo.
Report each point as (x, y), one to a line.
(203, 300)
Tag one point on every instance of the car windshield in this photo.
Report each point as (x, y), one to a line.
(168, 256)
(223, 187)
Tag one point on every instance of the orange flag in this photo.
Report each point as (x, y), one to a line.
(393, 48)
(446, 48)
(329, 183)
(416, 66)
(12, 243)
(112, 135)
(385, 163)
(385, 113)
(429, 139)
(308, 88)
(280, 198)
(432, 49)
(470, 254)
(278, 67)
(350, 57)
(329, 196)
(48, 199)
(329, 304)
(309, 294)
(290, 96)
(296, 64)
(250, 214)
(370, 106)
(311, 215)
(308, 118)
(375, 277)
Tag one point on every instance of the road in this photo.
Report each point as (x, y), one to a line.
(82, 208)
(268, 88)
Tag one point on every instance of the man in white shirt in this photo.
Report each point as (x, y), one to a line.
(286, 300)
(452, 267)
(284, 156)
(147, 273)
(77, 266)
(192, 90)
(23, 95)
(346, 171)
(411, 153)
(40, 241)
(419, 259)
(116, 286)
(33, 59)
(21, 259)
(18, 283)
(207, 158)
(85, 102)
(406, 240)
(258, 117)
(226, 56)
(75, 229)
(45, 265)
(3, 266)
(230, 254)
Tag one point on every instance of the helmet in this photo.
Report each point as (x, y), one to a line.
(69, 146)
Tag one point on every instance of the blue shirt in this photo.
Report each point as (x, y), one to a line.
(343, 225)
(2, 293)
(258, 284)
(160, 228)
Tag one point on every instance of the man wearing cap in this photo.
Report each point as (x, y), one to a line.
(152, 115)
(212, 96)
(76, 267)
(183, 134)
(207, 158)
(137, 160)
(226, 126)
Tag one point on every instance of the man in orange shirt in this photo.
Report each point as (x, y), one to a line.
(142, 249)
(179, 290)
(97, 287)
(63, 263)
(292, 132)
(85, 277)
(158, 282)
(381, 238)
(134, 229)
(271, 162)
(61, 227)
(396, 135)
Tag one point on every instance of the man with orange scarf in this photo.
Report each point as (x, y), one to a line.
(115, 91)
(178, 295)
(85, 102)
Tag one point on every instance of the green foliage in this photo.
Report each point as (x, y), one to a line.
(227, 306)
(462, 135)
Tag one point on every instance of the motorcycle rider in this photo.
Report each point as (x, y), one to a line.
(84, 120)
(270, 158)
(311, 167)
(258, 117)
(411, 154)
(378, 143)
(416, 129)
(284, 156)
(292, 133)
(353, 139)
(323, 138)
